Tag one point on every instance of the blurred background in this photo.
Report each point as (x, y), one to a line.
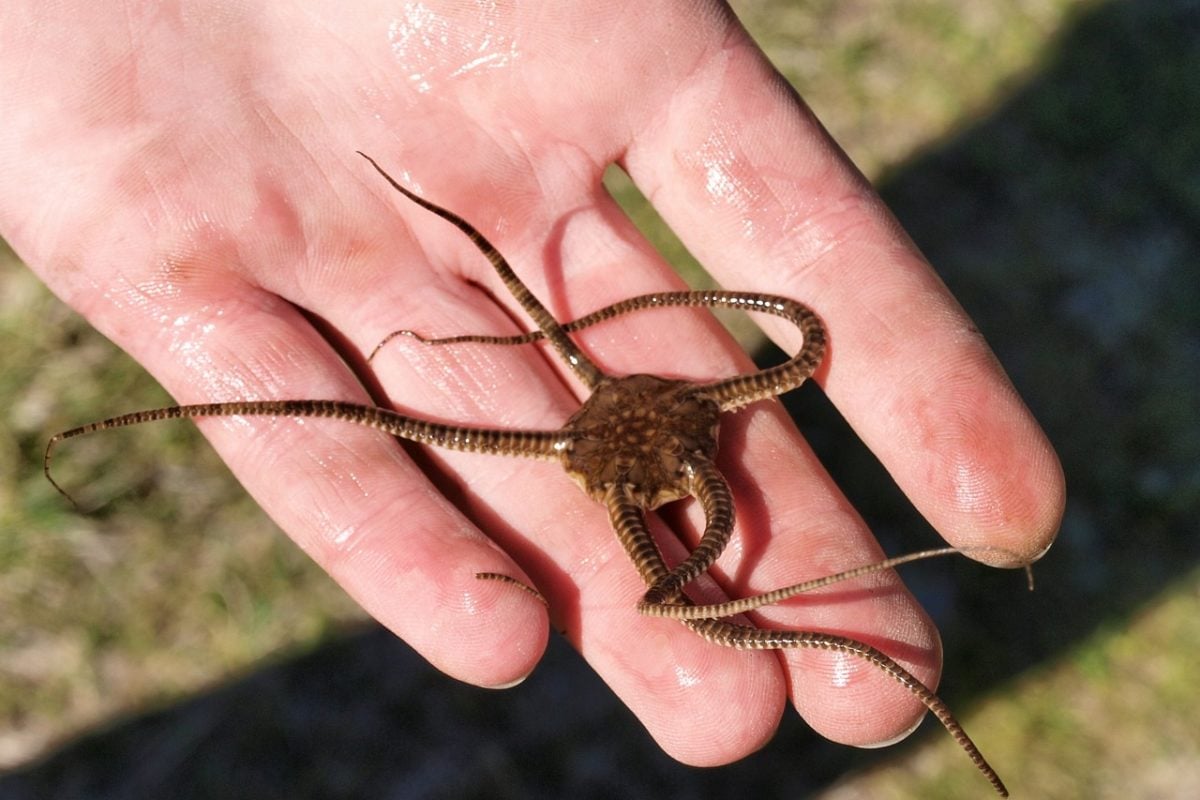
(1045, 154)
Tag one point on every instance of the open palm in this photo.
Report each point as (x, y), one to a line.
(185, 176)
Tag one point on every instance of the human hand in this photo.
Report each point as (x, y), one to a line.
(185, 176)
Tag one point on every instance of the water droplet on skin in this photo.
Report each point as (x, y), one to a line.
(843, 670)
(428, 45)
(686, 678)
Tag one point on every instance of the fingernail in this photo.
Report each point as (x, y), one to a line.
(510, 684)
(895, 739)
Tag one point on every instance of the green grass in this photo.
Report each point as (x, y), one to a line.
(172, 582)
(1113, 717)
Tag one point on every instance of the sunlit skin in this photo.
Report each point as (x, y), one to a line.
(193, 190)
(636, 443)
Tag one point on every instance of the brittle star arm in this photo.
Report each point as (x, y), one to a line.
(709, 487)
(588, 372)
(729, 393)
(628, 520)
(531, 443)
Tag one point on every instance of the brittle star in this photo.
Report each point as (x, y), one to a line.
(637, 442)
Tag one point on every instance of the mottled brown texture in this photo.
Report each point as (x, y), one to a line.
(641, 431)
